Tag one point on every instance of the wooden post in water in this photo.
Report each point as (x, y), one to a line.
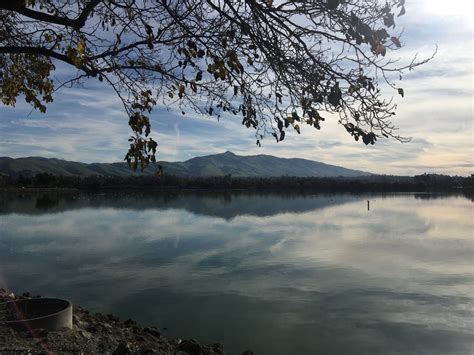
(368, 205)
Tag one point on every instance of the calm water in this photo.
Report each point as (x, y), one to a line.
(277, 274)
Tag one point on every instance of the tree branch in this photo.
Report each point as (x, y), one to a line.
(41, 16)
(77, 23)
(46, 52)
(81, 20)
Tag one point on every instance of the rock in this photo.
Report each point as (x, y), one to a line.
(26, 334)
(103, 347)
(113, 318)
(79, 322)
(92, 329)
(35, 333)
(152, 331)
(140, 338)
(192, 347)
(42, 333)
(95, 333)
(85, 334)
(214, 349)
(129, 322)
(122, 349)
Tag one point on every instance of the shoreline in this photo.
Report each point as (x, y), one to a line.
(172, 189)
(97, 333)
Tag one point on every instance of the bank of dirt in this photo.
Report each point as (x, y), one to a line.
(96, 333)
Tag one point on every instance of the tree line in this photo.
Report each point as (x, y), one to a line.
(424, 182)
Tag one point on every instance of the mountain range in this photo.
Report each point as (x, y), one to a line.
(209, 165)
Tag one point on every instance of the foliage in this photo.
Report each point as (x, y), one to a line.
(284, 184)
(278, 65)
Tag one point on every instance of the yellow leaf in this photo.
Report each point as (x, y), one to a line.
(380, 49)
(81, 47)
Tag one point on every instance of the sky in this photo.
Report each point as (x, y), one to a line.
(88, 123)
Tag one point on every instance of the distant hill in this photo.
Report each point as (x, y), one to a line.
(33, 165)
(209, 165)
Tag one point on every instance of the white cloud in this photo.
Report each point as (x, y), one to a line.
(89, 124)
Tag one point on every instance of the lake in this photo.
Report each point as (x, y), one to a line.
(275, 273)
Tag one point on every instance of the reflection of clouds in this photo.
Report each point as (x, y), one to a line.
(405, 240)
(405, 264)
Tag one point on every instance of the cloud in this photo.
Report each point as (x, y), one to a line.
(87, 123)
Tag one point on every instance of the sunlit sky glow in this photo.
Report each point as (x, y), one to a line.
(461, 8)
(88, 124)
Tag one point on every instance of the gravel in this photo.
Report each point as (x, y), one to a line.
(96, 333)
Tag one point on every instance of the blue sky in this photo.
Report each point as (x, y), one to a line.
(88, 123)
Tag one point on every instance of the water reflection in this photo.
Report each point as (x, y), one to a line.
(219, 204)
(277, 274)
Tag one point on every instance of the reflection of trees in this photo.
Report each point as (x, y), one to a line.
(469, 195)
(223, 204)
(46, 202)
